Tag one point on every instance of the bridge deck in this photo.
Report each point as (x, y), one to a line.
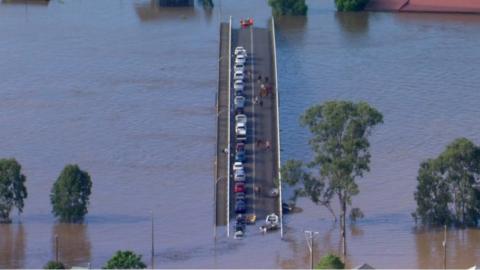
(262, 161)
(261, 164)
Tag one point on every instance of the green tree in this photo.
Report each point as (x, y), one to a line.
(54, 265)
(448, 187)
(330, 261)
(288, 7)
(206, 3)
(125, 260)
(70, 194)
(351, 5)
(12, 188)
(340, 131)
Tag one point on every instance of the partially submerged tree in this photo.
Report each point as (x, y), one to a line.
(12, 188)
(340, 132)
(448, 187)
(351, 5)
(54, 265)
(330, 261)
(70, 194)
(206, 3)
(288, 7)
(125, 260)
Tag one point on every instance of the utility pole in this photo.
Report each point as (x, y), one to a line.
(56, 248)
(444, 246)
(153, 243)
(309, 236)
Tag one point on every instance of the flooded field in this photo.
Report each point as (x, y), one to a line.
(127, 90)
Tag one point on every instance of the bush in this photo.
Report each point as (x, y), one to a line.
(351, 5)
(125, 260)
(330, 261)
(54, 265)
(288, 7)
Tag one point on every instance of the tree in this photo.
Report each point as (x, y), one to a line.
(70, 194)
(340, 132)
(125, 260)
(12, 188)
(330, 261)
(448, 187)
(288, 7)
(351, 5)
(54, 265)
(208, 4)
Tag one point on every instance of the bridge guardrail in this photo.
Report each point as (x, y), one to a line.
(277, 94)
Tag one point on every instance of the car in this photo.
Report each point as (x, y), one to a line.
(239, 187)
(240, 199)
(241, 137)
(239, 102)
(239, 67)
(240, 156)
(240, 59)
(286, 207)
(246, 22)
(238, 81)
(238, 75)
(240, 128)
(240, 147)
(241, 133)
(239, 226)
(239, 49)
(238, 165)
(240, 195)
(240, 207)
(238, 86)
(238, 235)
(241, 118)
(239, 176)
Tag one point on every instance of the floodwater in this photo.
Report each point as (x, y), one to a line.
(127, 90)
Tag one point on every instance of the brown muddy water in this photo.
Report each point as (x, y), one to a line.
(127, 91)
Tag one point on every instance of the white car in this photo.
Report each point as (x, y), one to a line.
(239, 67)
(240, 50)
(241, 128)
(238, 86)
(238, 75)
(239, 102)
(241, 118)
(239, 176)
(238, 235)
(238, 166)
(240, 59)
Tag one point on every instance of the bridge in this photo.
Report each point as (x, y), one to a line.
(262, 143)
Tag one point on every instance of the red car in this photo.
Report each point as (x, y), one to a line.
(239, 187)
(247, 22)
